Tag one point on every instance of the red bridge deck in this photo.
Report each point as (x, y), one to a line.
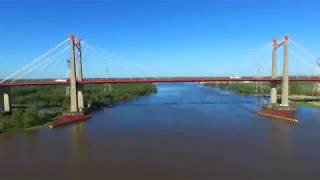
(155, 80)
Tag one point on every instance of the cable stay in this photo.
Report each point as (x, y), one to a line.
(42, 65)
(35, 61)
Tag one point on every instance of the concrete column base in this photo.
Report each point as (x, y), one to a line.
(5, 104)
(80, 98)
(273, 94)
(279, 107)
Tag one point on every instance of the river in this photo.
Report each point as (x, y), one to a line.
(185, 131)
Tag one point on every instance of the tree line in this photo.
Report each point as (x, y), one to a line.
(39, 105)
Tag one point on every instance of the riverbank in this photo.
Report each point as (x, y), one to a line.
(37, 107)
(301, 93)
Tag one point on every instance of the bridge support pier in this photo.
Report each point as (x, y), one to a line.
(284, 111)
(5, 104)
(79, 77)
(285, 76)
(77, 112)
(73, 81)
(80, 98)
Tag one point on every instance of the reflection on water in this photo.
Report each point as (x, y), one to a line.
(78, 141)
(185, 131)
(280, 145)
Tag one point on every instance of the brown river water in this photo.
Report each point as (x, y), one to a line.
(185, 131)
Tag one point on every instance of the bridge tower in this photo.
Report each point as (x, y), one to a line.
(285, 76)
(5, 104)
(73, 81)
(79, 77)
(76, 95)
(284, 111)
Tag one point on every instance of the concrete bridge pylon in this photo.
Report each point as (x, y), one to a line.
(73, 80)
(284, 110)
(79, 75)
(285, 76)
(273, 90)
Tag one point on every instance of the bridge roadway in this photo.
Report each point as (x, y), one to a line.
(158, 80)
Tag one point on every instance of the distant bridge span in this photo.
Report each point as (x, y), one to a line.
(157, 80)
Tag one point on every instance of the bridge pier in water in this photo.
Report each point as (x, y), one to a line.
(284, 110)
(76, 95)
(5, 104)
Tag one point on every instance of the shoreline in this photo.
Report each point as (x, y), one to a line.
(301, 100)
(92, 109)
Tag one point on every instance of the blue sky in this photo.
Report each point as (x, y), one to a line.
(167, 38)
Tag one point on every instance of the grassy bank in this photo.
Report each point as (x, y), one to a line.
(300, 92)
(264, 88)
(38, 106)
(309, 105)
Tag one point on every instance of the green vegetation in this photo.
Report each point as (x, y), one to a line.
(308, 105)
(295, 88)
(242, 88)
(300, 92)
(98, 96)
(34, 106)
(23, 119)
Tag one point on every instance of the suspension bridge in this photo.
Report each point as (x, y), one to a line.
(76, 79)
